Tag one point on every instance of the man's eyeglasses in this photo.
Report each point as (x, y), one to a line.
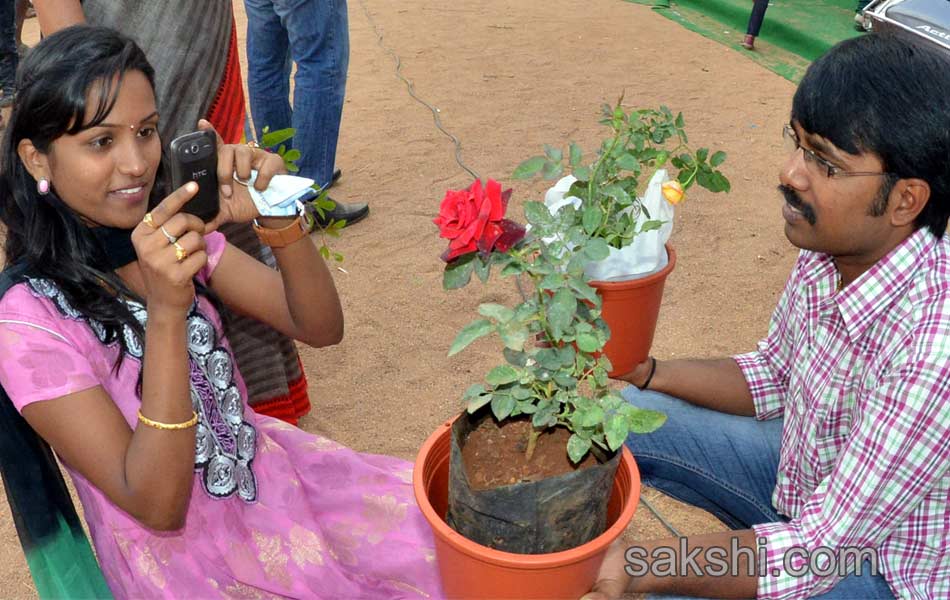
(817, 164)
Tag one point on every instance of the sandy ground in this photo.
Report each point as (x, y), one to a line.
(508, 77)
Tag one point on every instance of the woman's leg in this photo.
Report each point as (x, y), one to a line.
(757, 16)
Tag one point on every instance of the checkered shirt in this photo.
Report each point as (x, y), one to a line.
(862, 379)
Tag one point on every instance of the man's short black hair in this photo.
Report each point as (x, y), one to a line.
(889, 95)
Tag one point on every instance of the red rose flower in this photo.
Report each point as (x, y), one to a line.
(473, 219)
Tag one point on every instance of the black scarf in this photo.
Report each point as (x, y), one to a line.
(116, 246)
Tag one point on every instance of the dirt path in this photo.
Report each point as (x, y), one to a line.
(507, 78)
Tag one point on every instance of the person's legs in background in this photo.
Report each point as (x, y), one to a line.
(315, 35)
(755, 23)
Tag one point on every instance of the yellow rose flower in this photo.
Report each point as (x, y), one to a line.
(673, 192)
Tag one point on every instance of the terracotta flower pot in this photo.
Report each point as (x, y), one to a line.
(470, 570)
(631, 309)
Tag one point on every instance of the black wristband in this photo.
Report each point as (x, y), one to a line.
(646, 384)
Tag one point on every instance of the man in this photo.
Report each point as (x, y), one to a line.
(314, 35)
(845, 463)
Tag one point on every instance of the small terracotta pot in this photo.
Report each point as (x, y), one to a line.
(631, 309)
(470, 570)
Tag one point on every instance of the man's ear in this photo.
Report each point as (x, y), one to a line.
(36, 162)
(908, 199)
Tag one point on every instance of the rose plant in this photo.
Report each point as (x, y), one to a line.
(610, 188)
(553, 371)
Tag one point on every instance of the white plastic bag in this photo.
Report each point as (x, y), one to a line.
(646, 254)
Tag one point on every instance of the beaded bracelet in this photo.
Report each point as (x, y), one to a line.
(169, 426)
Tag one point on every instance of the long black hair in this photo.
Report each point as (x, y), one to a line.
(53, 84)
(885, 94)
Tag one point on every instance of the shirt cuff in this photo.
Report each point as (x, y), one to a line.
(768, 395)
(775, 579)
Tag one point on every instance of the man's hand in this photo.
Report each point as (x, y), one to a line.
(612, 580)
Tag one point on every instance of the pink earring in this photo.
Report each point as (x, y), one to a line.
(42, 186)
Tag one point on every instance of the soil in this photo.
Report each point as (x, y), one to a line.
(508, 77)
(495, 454)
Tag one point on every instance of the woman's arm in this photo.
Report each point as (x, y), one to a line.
(147, 473)
(54, 15)
(299, 301)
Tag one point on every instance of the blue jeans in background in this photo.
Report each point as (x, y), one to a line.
(8, 55)
(314, 34)
(726, 465)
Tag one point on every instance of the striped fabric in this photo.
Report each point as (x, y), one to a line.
(185, 41)
(862, 379)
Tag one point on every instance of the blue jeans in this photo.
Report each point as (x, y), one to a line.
(726, 465)
(315, 35)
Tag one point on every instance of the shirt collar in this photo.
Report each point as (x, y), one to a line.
(862, 301)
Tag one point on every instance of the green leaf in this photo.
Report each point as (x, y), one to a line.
(592, 417)
(477, 402)
(515, 357)
(597, 249)
(582, 173)
(619, 194)
(552, 170)
(482, 268)
(577, 448)
(502, 405)
(520, 392)
(587, 342)
(499, 312)
(591, 218)
(529, 168)
(679, 122)
(538, 214)
(292, 155)
(273, 139)
(555, 154)
(457, 273)
(474, 390)
(717, 159)
(661, 158)
(575, 154)
(560, 311)
(501, 375)
(643, 420)
(616, 431)
(702, 154)
(513, 335)
(628, 162)
(651, 226)
(469, 334)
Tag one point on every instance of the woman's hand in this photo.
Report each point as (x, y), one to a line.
(168, 266)
(236, 203)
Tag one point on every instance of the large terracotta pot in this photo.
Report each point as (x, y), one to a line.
(470, 570)
(631, 309)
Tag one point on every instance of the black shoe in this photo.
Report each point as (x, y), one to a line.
(336, 175)
(351, 212)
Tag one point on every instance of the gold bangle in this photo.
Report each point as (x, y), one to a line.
(169, 426)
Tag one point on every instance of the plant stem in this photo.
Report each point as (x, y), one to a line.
(533, 436)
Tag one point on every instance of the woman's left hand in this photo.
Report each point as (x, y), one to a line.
(236, 203)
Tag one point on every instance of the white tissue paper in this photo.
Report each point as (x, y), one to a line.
(280, 199)
(647, 254)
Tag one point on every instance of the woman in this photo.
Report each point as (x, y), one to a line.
(755, 23)
(112, 351)
(193, 48)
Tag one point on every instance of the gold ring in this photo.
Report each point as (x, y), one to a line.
(171, 239)
(147, 219)
(180, 253)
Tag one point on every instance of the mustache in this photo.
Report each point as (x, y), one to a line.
(791, 197)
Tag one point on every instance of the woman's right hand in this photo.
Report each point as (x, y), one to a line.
(169, 281)
(638, 376)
